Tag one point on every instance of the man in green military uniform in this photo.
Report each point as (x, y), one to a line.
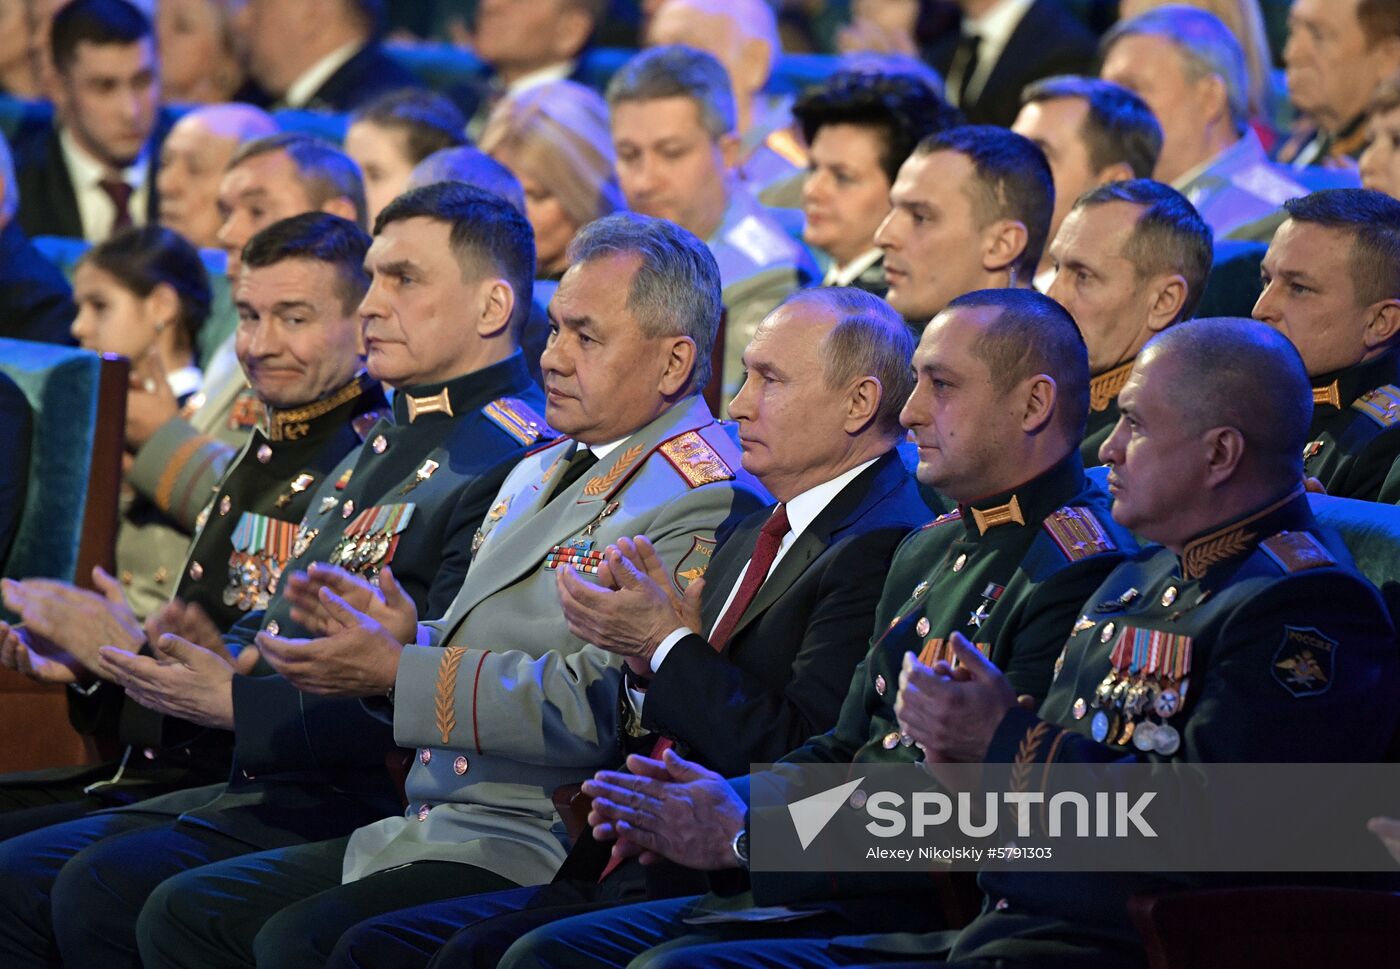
(1332, 286)
(1130, 260)
(304, 364)
(673, 120)
(1278, 649)
(178, 457)
(1290, 652)
(503, 702)
(997, 413)
(443, 300)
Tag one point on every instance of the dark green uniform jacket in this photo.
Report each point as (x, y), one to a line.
(1292, 658)
(1355, 435)
(1010, 572)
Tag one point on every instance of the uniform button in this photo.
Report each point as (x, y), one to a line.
(959, 562)
(196, 571)
(423, 812)
(460, 765)
(1003, 904)
(273, 628)
(347, 509)
(149, 753)
(1106, 633)
(880, 684)
(922, 626)
(891, 740)
(1169, 596)
(264, 454)
(225, 505)
(127, 577)
(425, 756)
(160, 575)
(380, 444)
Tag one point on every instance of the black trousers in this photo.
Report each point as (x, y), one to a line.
(285, 907)
(72, 892)
(470, 931)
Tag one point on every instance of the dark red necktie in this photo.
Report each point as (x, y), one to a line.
(120, 194)
(765, 550)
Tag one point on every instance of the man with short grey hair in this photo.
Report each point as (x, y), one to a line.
(1190, 70)
(762, 656)
(504, 703)
(673, 126)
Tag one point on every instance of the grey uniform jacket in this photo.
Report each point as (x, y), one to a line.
(505, 704)
(759, 265)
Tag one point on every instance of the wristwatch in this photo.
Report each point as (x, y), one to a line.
(740, 847)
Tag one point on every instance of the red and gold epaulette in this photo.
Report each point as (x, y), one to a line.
(1078, 532)
(695, 460)
(943, 519)
(518, 419)
(1382, 405)
(1297, 551)
(247, 411)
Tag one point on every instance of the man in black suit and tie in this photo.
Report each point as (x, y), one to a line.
(1003, 45)
(759, 653)
(321, 55)
(91, 172)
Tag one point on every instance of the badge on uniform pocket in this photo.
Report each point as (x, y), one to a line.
(694, 562)
(1303, 664)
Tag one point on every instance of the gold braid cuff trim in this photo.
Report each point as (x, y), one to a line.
(446, 693)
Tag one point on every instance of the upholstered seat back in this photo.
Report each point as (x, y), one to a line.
(61, 385)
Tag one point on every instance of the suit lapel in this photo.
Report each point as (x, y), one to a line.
(847, 507)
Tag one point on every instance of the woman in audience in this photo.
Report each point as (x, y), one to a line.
(393, 133)
(1380, 162)
(199, 57)
(555, 139)
(144, 294)
(859, 129)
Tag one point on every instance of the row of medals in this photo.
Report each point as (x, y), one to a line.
(357, 553)
(252, 579)
(1124, 700)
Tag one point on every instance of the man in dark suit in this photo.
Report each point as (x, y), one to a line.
(758, 654)
(36, 302)
(322, 56)
(1012, 567)
(92, 171)
(1003, 45)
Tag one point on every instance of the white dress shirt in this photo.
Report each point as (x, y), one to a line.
(847, 274)
(95, 208)
(802, 511)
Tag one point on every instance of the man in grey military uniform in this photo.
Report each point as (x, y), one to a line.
(503, 703)
(673, 123)
(1189, 68)
(1130, 260)
(743, 36)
